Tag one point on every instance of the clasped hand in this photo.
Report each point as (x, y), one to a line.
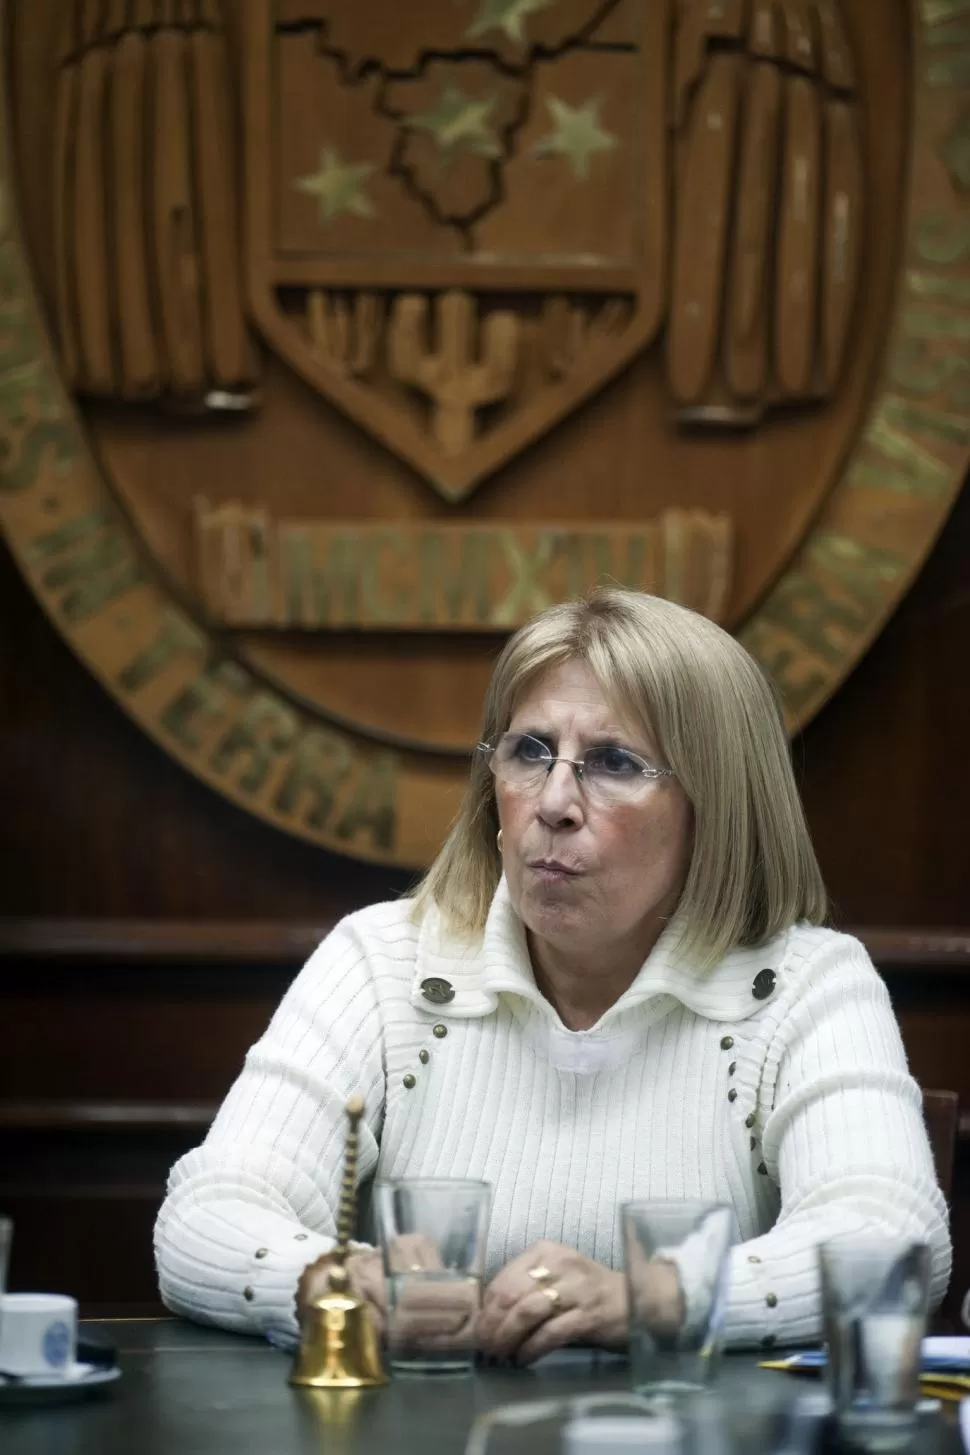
(547, 1297)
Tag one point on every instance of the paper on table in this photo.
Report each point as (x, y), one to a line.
(941, 1354)
(954, 1349)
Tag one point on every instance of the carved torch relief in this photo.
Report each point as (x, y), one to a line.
(389, 325)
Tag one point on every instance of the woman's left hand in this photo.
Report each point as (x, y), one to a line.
(547, 1297)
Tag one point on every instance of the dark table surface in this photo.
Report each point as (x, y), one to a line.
(192, 1391)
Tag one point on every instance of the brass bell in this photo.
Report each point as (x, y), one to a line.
(338, 1345)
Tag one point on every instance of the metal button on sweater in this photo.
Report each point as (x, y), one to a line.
(438, 990)
(763, 984)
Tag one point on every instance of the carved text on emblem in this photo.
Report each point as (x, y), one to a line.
(254, 571)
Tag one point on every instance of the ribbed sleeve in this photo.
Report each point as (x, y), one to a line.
(248, 1210)
(844, 1141)
(798, 1112)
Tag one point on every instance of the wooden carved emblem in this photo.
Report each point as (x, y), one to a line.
(339, 336)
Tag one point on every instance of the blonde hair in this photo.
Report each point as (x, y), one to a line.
(714, 719)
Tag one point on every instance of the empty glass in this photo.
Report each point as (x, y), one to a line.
(583, 1424)
(875, 1299)
(676, 1265)
(740, 1417)
(433, 1238)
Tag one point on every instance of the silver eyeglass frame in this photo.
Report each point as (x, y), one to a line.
(578, 765)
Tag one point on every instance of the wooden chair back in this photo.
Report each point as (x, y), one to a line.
(941, 1112)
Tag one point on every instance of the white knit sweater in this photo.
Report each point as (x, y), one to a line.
(797, 1110)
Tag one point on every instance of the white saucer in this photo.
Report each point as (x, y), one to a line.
(77, 1381)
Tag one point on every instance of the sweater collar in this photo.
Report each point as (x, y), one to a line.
(474, 973)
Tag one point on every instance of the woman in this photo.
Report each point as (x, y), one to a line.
(611, 984)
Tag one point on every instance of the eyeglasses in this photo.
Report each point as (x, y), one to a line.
(609, 774)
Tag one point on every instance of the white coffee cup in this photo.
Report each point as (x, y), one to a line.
(38, 1334)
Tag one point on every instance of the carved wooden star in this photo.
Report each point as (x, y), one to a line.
(459, 123)
(504, 15)
(338, 187)
(577, 135)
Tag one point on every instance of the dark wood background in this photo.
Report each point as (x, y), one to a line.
(147, 927)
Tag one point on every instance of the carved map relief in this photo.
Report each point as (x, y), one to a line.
(386, 325)
(688, 173)
(684, 177)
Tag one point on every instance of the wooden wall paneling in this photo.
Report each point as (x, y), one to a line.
(128, 1032)
(98, 821)
(117, 1067)
(884, 770)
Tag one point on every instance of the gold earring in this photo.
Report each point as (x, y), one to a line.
(498, 840)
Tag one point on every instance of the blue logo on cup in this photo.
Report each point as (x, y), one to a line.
(57, 1344)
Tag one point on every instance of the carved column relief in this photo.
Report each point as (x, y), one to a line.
(146, 212)
(769, 208)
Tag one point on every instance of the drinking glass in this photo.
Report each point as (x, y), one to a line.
(611, 1423)
(875, 1299)
(676, 1264)
(433, 1235)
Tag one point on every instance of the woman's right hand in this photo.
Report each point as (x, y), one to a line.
(365, 1269)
